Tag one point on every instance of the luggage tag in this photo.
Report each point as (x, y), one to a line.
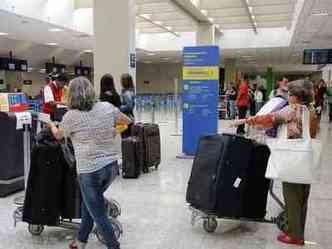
(237, 182)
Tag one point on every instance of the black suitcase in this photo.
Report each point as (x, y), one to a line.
(233, 173)
(11, 155)
(45, 188)
(202, 185)
(149, 135)
(257, 185)
(132, 157)
(218, 180)
(152, 146)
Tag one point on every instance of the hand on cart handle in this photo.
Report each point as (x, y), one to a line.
(238, 122)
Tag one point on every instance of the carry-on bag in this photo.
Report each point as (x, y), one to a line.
(132, 157)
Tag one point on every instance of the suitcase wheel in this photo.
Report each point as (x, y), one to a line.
(282, 221)
(35, 230)
(118, 230)
(145, 170)
(210, 224)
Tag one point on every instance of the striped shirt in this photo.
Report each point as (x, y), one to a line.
(92, 134)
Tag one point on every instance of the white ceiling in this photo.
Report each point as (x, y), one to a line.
(28, 36)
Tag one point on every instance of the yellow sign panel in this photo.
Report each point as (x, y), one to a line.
(200, 73)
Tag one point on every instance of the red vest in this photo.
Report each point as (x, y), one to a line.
(57, 94)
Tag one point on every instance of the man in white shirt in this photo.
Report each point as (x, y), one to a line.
(53, 93)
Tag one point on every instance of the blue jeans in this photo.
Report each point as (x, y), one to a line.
(93, 208)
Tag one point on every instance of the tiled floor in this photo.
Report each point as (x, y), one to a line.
(156, 216)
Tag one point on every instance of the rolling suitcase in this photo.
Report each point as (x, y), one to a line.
(257, 185)
(233, 174)
(202, 185)
(149, 136)
(132, 157)
(44, 193)
(151, 146)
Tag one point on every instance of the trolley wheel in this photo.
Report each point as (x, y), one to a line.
(282, 221)
(118, 230)
(114, 208)
(156, 166)
(210, 224)
(35, 230)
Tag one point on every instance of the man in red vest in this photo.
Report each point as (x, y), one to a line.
(53, 93)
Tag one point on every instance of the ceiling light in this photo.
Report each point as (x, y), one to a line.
(158, 22)
(146, 16)
(250, 9)
(169, 27)
(3, 33)
(211, 19)
(253, 17)
(217, 26)
(52, 44)
(88, 51)
(255, 23)
(247, 1)
(320, 13)
(165, 58)
(204, 12)
(55, 30)
(246, 56)
(151, 54)
(147, 62)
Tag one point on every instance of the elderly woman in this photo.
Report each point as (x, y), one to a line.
(91, 127)
(295, 195)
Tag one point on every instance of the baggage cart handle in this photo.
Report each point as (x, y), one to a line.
(275, 197)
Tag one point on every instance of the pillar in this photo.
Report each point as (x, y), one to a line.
(114, 45)
(269, 80)
(231, 72)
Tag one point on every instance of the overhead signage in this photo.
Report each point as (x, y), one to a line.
(317, 56)
(200, 95)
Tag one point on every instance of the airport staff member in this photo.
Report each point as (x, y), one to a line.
(53, 93)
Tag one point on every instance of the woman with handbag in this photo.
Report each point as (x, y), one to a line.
(295, 194)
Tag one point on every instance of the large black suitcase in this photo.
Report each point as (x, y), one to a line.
(202, 185)
(257, 185)
(218, 180)
(132, 157)
(45, 188)
(233, 173)
(11, 155)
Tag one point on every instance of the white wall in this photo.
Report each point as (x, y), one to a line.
(83, 20)
(161, 77)
(58, 12)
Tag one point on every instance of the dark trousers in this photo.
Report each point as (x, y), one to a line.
(330, 112)
(242, 115)
(296, 199)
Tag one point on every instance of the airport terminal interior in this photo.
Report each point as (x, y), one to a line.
(198, 68)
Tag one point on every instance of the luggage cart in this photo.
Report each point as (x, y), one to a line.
(210, 220)
(113, 210)
(113, 207)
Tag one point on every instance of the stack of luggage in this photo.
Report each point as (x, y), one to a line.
(227, 178)
(141, 151)
(52, 190)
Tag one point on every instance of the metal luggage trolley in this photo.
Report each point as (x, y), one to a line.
(210, 222)
(113, 207)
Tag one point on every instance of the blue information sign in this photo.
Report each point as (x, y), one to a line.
(200, 94)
